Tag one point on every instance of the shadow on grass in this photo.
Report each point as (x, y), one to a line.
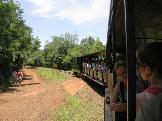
(31, 67)
(74, 75)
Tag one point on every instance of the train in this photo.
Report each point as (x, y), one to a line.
(92, 66)
(131, 24)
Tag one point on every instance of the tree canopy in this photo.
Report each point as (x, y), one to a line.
(19, 47)
(16, 40)
(65, 47)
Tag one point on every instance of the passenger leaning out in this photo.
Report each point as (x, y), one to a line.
(118, 101)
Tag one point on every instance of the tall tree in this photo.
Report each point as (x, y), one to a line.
(90, 45)
(97, 46)
(15, 38)
(57, 50)
(35, 43)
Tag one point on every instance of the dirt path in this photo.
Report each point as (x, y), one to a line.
(36, 99)
(32, 101)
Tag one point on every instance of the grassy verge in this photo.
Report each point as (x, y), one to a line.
(51, 75)
(78, 110)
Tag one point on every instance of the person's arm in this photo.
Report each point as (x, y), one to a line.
(110, 84)
(139, 99)
(114, 98)
(139, 116)
(22, 74)
(138, 104)
(119, 107)
(114, 104)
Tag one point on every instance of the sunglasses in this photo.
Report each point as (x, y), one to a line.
(139, 65)
(121, 74)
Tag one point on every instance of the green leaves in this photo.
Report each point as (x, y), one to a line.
(57, 51)
(65, 47)
(16, 41)
(90, 45)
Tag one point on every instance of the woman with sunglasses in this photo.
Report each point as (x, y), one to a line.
(118, 102)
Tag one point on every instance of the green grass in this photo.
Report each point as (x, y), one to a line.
(78, 110)
(51, 75)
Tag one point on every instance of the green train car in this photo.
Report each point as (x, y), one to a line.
(77, 66)
(92, 67)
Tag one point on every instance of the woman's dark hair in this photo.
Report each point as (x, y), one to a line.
(151, 55)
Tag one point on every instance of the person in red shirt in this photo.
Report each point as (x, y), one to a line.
(18, 76)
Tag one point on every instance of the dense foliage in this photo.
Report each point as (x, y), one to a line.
(65, 47)
(16, 40)
(18, 47)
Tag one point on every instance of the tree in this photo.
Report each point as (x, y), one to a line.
(35, 44)
(90, 45)
(73, 52)
(37, 58)
(98, 46)
(15, 38)
(57, 50)
(65, 47)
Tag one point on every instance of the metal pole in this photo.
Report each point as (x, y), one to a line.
(131, 58)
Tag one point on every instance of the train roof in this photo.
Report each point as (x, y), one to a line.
(148, 21)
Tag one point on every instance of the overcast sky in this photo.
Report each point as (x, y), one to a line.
(55, 17)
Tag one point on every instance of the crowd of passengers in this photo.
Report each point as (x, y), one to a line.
(148, 83)
(95, 66)
(95, 70)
